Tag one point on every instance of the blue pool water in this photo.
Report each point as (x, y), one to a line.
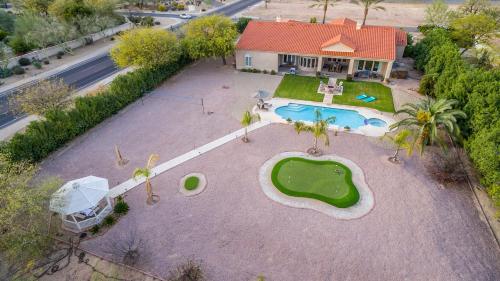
(343, 117)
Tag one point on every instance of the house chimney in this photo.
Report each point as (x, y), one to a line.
(278, 19)
(358, 25)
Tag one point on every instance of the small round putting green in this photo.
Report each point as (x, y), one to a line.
(191, 183)
(325, 180)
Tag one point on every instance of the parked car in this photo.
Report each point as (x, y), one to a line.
(185, 16)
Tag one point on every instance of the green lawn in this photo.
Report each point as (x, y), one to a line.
(305, 88)
(327, 181)
(191, 183)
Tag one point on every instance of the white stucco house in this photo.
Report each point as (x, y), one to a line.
(339, 47)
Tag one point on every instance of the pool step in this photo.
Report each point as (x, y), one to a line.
(295, 107)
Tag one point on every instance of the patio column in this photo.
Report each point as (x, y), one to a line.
(350, 70)
(320, 64)
(388, 70)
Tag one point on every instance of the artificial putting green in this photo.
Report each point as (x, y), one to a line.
(325, 180)
(191, 183)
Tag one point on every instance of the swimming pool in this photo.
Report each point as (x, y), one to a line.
(343, 117)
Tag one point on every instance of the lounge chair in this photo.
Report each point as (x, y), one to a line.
(263, 105)
(361, 97)
(369, 99)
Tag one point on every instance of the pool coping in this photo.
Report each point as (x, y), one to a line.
(368, 113)
(361, 208)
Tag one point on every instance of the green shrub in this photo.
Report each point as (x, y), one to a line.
(242, 23)
(3, 34)
(24, 61)
(19, 46)
(273, 72)
(255, 70)
(264, 71)
(5, 72)
(95, 229)
(109, 221)
(37, 64)
(191, 183)
(121, 207)
(45, 136)
(313, 20)
(18, 70)
(59, 55)
(162, 8)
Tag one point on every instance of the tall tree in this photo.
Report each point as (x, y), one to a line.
(23, 216)
(42, 97)
(145, 47)
(473, 29)
(429, 117)
(367, 5)
(210, 36)
(324, 4)
(473, 7)
(319, 129)
(146, 173)
(437, 14)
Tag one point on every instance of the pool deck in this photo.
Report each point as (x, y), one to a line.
(368, 113)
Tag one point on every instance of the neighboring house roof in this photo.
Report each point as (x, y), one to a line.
(375, 42)
(343, 21)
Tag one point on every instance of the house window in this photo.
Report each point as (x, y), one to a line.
(368, 65)
(375, 66)
(248, 60)
(361, 64)
(308, 62)
(289, 59)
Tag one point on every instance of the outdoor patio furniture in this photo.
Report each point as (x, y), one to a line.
(293, 71)
(369, 99)
(263, 105)
(362, 96)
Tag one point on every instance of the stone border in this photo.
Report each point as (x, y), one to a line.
(201, 185)
(366, 199)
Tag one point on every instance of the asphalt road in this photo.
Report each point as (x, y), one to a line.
(100, 67)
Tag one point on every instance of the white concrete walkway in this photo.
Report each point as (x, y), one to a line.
(163, 167)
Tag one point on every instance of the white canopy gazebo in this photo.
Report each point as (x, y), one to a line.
(82, 203)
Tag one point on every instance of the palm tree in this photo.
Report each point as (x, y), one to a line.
(146, 173)
(248, 118)
(319, 129)
(429, 117)
(323, 4)
(368, 4)
(400, 140)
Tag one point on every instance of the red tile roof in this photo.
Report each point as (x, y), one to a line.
(343, 21)
(370, 42)
(401, 37)
(341, 38)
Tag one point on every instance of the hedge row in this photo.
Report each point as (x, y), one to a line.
(59, 127)
(476, 87)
